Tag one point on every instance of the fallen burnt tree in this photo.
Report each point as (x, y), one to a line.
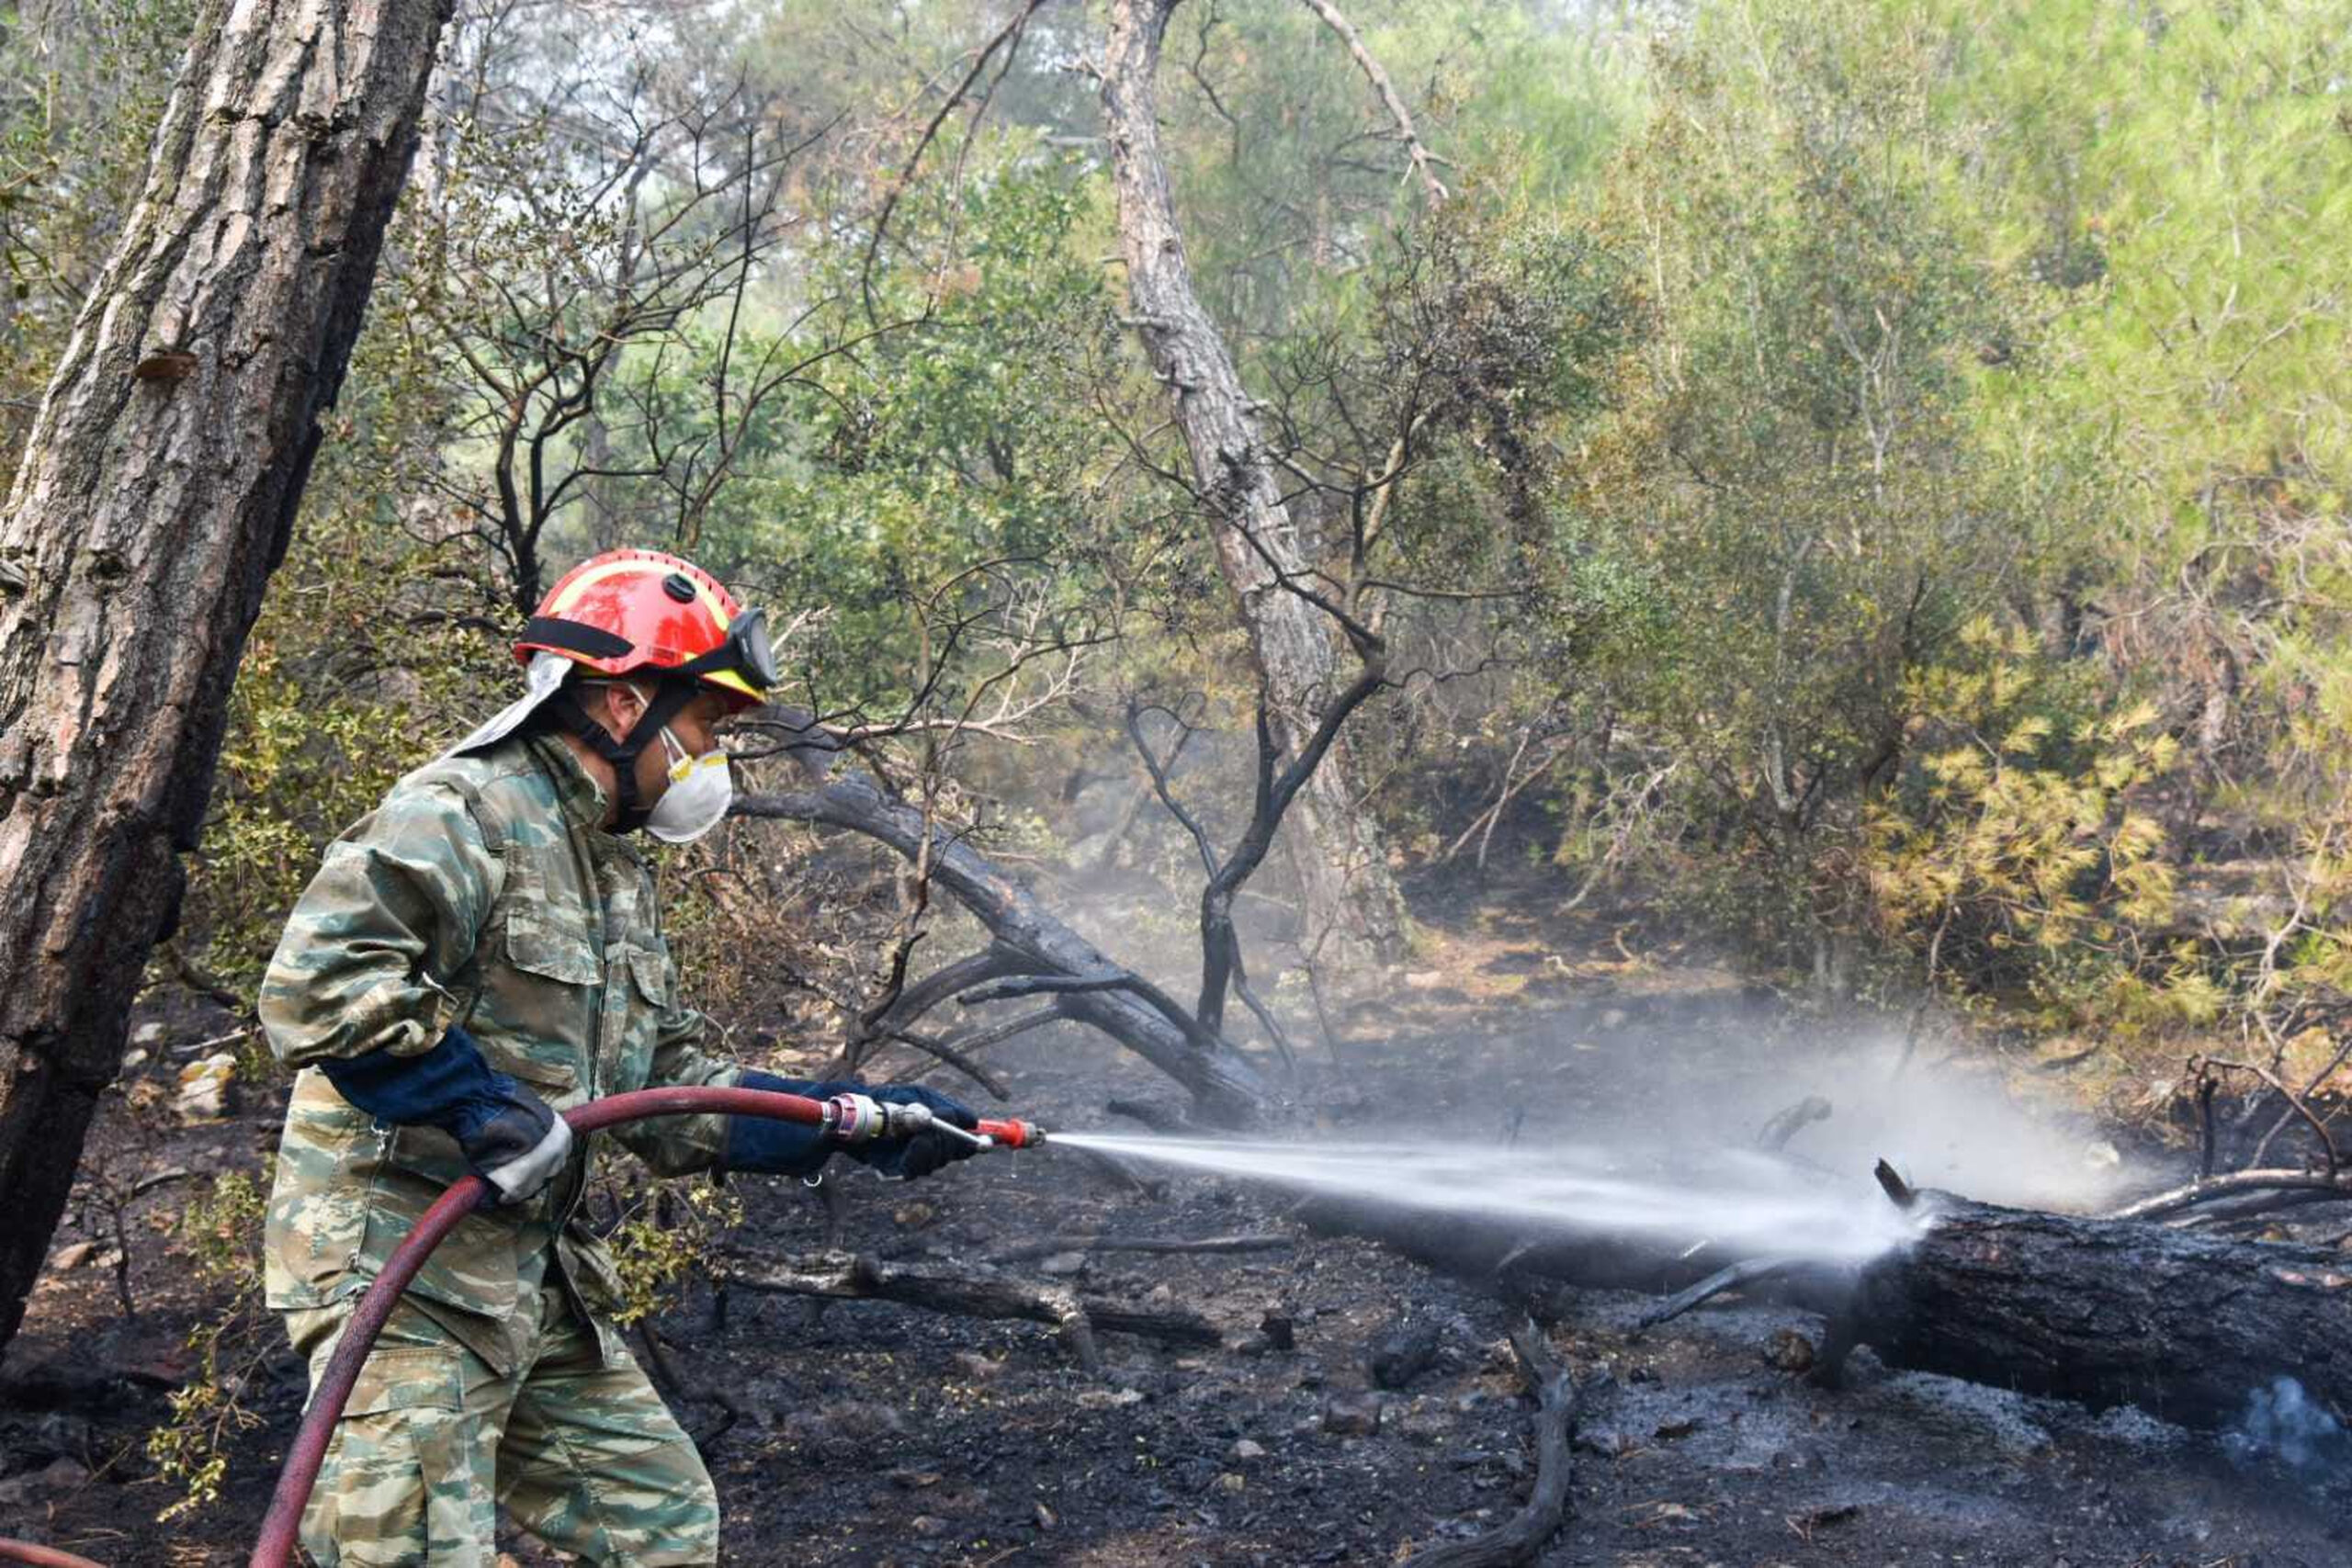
(2181, 1322)
(1032, 953)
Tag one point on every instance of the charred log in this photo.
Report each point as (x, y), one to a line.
(1787, 1124)
(2242, 1192)
(1403, 1351)
(1029, 1252)
(1524, 1535)
(1742, 1276)
(1504, 1253)
(2182, 1324)
(1159, 1118)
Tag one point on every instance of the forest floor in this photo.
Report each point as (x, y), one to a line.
(875, 1434)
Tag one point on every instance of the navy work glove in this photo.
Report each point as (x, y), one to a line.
(795, 1148)
(908, 1159)
(779, 1148)
(509, 1135)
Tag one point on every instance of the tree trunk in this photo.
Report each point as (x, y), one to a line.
(1353, 907)
(156, 497)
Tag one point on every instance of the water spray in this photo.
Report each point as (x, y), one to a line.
(1736, 1197)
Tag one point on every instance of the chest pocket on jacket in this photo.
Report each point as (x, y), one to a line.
(554, 952)
(648, 1001)
(542, 999)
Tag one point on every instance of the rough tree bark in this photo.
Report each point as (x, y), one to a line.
(1341, 862)
(2183, 1323)
(154, 499)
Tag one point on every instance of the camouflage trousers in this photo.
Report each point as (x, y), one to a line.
(583, 1454)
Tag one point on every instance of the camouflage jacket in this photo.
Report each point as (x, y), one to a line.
(483, 891)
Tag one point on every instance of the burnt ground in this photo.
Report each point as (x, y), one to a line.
(872, 1433)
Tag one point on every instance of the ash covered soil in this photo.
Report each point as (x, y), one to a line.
(873, 1433)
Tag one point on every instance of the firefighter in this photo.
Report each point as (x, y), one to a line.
(479, 953)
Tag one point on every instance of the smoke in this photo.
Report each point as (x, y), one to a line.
(1665, 1073)
(2283, 1423)
(1963, 1132)
(1596, 1124)
(1956, 1126)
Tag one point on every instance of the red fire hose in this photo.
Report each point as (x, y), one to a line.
(47, 1556)
(275, 1546)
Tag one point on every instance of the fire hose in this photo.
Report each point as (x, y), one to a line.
(844, 1120)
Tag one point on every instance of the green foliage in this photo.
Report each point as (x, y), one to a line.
(961, 459)
(2013, 847)
(1978, 484)
(665, 1235)
(1790, 485)
(82, 84)
(2166, 177)
(1290, 177)
(1892, 458)
(348, 681)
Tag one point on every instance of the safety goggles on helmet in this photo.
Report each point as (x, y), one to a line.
(744, 653)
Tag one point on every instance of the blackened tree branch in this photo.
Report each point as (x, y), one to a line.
(1222, 1082)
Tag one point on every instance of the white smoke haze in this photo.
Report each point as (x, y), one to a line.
(1942, 1126)
(2283, 1423)
(1587, 1111)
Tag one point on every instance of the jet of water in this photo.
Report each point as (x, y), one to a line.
(1736, 1199)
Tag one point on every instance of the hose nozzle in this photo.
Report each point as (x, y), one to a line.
(860, 1119)
(1009, 1133)
(854, 1119)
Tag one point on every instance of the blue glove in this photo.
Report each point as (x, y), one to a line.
(509, 1135)
(779, 1148)
(795, 1148)
(908, 1159)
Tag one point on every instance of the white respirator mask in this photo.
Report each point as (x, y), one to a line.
(701, 788)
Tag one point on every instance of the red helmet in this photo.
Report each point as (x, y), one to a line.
(626, 611)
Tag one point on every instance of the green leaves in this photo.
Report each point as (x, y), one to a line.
(2016, 845)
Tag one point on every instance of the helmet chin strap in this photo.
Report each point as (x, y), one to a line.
(667, 699)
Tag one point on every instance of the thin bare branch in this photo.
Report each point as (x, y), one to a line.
(1423, 162)
(1010, 34)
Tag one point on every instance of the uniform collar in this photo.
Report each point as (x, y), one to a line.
(580, 796)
